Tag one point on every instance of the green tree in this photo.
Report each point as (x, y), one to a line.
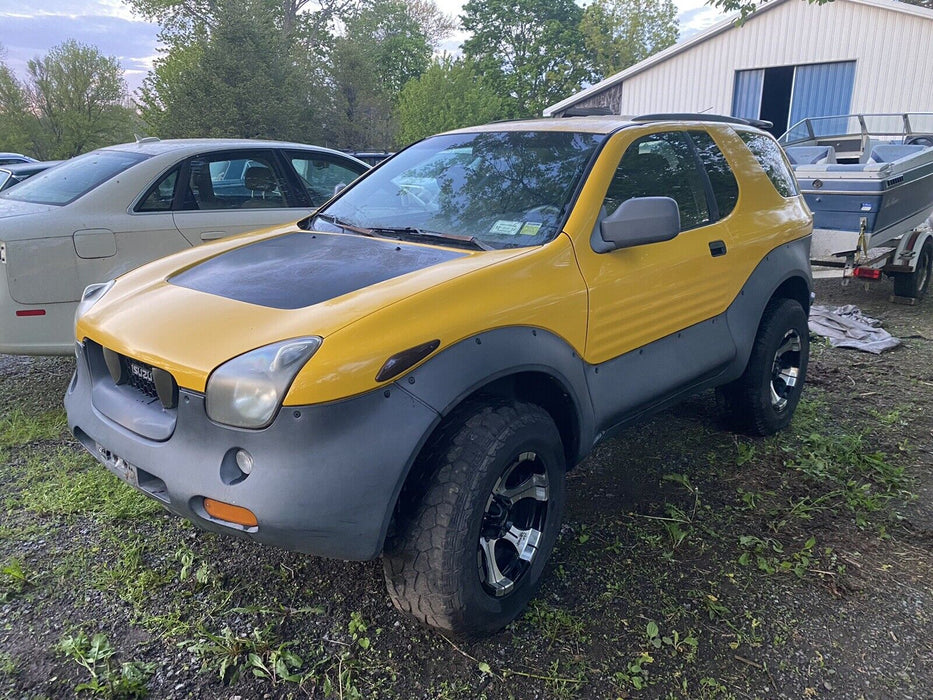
(71, 101)
(747, 7)
(531, 51)
(449, 94)
(15, 121)
(237, 82)
(620, 33)
(382, 49)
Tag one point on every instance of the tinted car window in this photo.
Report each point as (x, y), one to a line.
(4, 176)
(66, 182)
(769, 156)
(661, 165)
(247, 181)
(322, 175)
(725, 187)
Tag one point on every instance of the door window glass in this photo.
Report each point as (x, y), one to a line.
(225, 181)
(661, 165)
(725, 188)
(321, 176)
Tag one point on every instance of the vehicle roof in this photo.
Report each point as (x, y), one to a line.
(155, 147)
(600, 124)
(9, 154)
(35, 167)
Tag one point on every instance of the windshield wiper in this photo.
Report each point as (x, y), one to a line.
(336, 221)
(417, 233)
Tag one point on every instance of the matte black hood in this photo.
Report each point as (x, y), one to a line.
(302, 269)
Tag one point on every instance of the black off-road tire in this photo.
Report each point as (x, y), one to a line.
(778, 361)
(915, 285)
(433, 564)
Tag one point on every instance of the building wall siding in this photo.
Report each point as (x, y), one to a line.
(893, 51)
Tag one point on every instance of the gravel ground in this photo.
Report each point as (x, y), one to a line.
(692, 563)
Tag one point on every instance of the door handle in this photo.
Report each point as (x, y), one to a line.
(212, 235)
(717, 248)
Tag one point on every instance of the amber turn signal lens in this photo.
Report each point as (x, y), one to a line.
(230, 513)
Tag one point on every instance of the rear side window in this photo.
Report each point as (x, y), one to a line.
(769, 156)
(661, 165)
(725, 188)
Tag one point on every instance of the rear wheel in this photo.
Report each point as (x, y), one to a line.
(471, 555)
(914, 285)
(762, 401)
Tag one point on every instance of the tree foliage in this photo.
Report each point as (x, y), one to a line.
(326, 72)
(448, 95)
(620, 33)
(72, 101)
(531, 51)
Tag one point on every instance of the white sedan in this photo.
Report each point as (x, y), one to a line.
(104, 213)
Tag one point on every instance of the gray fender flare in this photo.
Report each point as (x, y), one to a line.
(444, 381)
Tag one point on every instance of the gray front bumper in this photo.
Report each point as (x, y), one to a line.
(325, 477)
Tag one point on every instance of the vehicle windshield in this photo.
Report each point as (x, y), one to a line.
(64, 183)
(499, 189)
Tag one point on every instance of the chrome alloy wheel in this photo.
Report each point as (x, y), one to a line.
(785, 369)
(513, 521)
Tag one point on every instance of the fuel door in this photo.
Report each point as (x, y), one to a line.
(95, 243)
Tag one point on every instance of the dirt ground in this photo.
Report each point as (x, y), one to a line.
(693, 563)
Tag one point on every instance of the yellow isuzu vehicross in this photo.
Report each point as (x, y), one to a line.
(411, 371)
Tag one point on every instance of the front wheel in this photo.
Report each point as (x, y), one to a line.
(914, 285)
(471, 555)
(762, 401)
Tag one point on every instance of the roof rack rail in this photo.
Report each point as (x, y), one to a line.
(588, 112)
(692, 117)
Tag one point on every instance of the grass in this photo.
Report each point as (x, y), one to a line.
(65, 482)
(19, 428)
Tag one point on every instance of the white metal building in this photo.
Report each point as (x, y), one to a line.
(789, 60)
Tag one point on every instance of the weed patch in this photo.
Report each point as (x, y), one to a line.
(106, 679)
(69, 483)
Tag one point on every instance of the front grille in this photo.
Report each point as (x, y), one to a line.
(139, 376)
(151, 382)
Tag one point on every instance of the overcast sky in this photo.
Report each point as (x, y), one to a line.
(29, 28)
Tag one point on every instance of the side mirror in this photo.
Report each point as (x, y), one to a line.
(640, 221)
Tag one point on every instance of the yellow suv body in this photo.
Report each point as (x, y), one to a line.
(411, 371)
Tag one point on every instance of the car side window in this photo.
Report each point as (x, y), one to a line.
(159, 197)
(769, 156)
(661, 165)
(322, 175)
(240, 180)
(721, 177)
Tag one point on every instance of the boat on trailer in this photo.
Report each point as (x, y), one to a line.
(868, 179)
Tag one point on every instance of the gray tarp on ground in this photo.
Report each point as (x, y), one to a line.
(847, 327)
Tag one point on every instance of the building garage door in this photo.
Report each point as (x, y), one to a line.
(784, 95)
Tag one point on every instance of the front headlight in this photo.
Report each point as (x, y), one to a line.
(245, 392)
(92, 294)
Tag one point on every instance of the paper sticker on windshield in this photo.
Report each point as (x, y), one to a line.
(530, 228)
(503, 227)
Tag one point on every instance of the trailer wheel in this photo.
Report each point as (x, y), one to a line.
(915, 284)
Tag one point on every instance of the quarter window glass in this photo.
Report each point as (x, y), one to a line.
(661, 165)
(66, 182)
(159, 196)
(769, 156)
(246, 181)
(322, 177)
(725, 188)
